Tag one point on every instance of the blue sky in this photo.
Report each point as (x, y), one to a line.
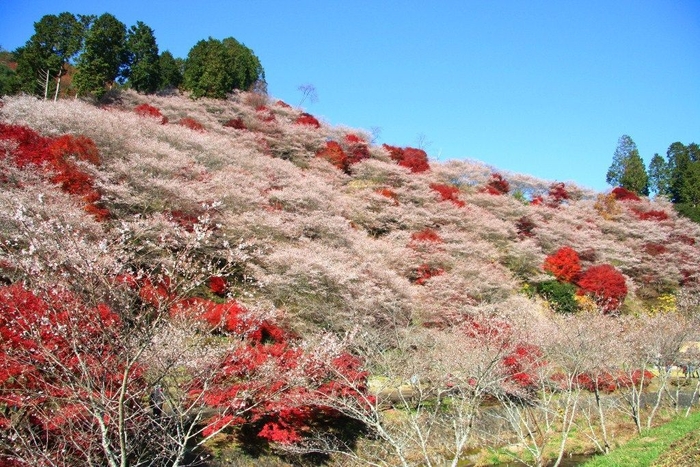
(538, 87)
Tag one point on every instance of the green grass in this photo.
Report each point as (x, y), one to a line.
(645, 449)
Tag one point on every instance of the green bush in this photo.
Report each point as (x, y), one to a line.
(560, 295)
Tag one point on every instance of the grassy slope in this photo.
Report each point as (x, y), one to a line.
(676, 443)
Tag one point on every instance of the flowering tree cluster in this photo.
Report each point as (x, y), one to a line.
(497, 185)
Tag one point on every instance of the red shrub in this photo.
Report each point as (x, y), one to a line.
(334, 154)
(236, 123)
(54, 155)
(425, 272)
(389, 193)
(426, 235)
(497, 185)
(606, 285)
(655, 249)
(623, 194)
(283, 104)
(537, 200)
(146, 110)
(307, 119)
(557, 194)
(652, 215)
(414, 159)
(525, 226)
(217, 285)
(191, 123)
(681, 238)
(357, 148)
(448, 193)
(265, 114)
(565, 264)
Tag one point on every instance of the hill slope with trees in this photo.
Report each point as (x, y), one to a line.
(235, 272)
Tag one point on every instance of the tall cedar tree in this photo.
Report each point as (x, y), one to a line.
(144, 71)
(627, 169)
(103, 57)
(659, 176)
(170, 71)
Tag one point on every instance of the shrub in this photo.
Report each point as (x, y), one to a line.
(334, 154)
(426, 235)
(565, 264)
(560, 295)
(236, 123)
(497, 185)
(623, 194)
(414, 159)
(557, 194)
(265, 114)
(606, 285)
(525, 226)
(307, 119)
(191, 123)
(651, 215)
(424, 272)
(389, 193)
(357, 149)
(146, 110)
(448, 193)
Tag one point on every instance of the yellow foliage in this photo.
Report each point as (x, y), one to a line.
(665, 303)
(585, 303)
(607, 206)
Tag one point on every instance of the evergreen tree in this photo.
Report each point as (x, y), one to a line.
(9, 83)
(659, 176)
(103, 57)
(144, 68)
(170, 71)
(627, 169)
(215, 68)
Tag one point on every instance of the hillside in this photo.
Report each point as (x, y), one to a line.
(329, 247)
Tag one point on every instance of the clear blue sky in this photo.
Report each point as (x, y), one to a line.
(538, 87)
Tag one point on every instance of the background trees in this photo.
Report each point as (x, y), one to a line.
(215, 68)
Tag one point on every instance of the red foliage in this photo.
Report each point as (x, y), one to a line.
(520, 364)
(606, 285)
(184, 219)
(623, 194)
(557, 194)
(236, 123)
(426, 235)
(283, 104)
(146, 110)
(334, 154)
(389, 193)
(565, 264)
(55, 156)
(217, 285)
(655, 249)
(191, 123)
(651, 215)
(357, 149)
(537, 200)
(425, 272)
(265, 114)
(608, 382)
(497, 185)
(525, 226)
(414, 159)
(307, 119)
(681, 238)
(56, 357)
(448, 193)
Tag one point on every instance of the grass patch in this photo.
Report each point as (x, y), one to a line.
(671, 444)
